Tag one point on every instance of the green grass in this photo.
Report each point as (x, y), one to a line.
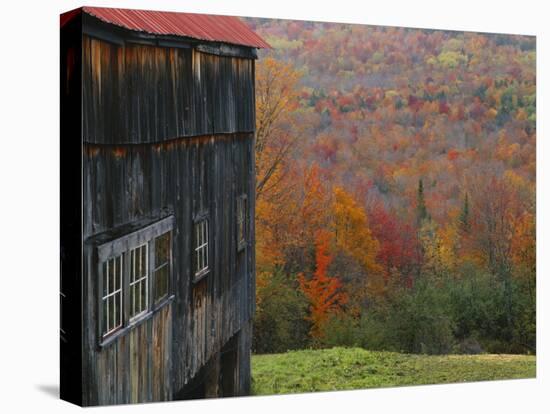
(354, 368)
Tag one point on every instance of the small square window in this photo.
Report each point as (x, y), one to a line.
(201, 247)
(112, 294)
(242, 212)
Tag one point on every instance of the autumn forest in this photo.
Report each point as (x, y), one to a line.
(395, 192)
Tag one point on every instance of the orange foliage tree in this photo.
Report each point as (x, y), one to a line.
(286, 226)
(313, 206)
(322, 290)
(275, 225)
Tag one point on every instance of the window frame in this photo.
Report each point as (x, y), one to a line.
(141, 279)
(122, 243)
(241, 210)
(112, 294)
(158, 302)
(203, 272)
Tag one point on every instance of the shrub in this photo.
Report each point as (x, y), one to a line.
(280, 320)
(413, 320)
(340, 330)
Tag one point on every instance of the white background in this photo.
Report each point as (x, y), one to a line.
(29, 194)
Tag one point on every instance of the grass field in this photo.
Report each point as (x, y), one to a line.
(354, 368)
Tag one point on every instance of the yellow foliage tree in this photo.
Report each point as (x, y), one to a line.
(276, 136)
(353, 235)
(276, 129)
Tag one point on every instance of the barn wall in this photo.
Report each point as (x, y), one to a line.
(136, 93)
(167, 130)
(125, 183)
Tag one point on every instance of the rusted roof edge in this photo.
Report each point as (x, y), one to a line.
(248, 37)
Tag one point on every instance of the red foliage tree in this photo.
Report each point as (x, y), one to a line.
(322, 290)
(399, 246)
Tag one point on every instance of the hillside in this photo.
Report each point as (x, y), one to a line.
(395, 198)
(355, 368)
(386, 106)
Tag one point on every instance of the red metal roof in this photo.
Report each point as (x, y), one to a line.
(66, 17)
(216, 28)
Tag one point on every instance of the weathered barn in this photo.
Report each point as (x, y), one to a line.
(157, 112)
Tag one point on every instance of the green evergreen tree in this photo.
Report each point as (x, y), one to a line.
(464, 219)
(421, 210)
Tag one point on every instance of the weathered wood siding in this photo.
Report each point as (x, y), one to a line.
(168, 130)
(123, 184)
(145, 94)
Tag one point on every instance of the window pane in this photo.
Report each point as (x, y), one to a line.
(111, 313)
(138, 280)
(138, 297)
(105, 279)
(143, 295)
(142, 262)
(113, 266)
(201, 246)
(112, 269)
(132, 265)
(201, 262)
(164, 280)
(135, 294)
(119, 308)
(135, 299)
(116, 310)
(162, 265)
(197, 235)
(132, 300)
(112, 294)
(104, 319)
(162, 249)
(161, 282)
(118, 273)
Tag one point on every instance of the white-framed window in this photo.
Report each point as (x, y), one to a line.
(111, 300)
(139, 281)
(134, 276)
(201, 246)
(242, 224)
